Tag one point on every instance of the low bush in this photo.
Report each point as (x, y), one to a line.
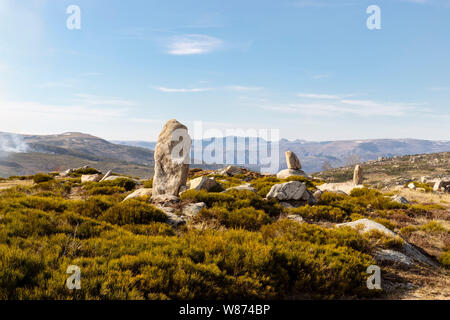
(320, 212)
(132, 212)
(42, 177)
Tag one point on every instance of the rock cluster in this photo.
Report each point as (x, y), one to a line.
(294, 167)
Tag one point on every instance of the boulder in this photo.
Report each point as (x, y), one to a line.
(343, 187)
(232, 171)
(295, 218)
(205, 183)
(293, 190)
(193, 209)
(139, 193)
(391, 256)
(246, 186)
(172, 157)
(283, 174)
(318, 194)
(400, 199)
(164, 200)
(367, 225)
(412, 186)
(358, 175)
(91, 178)
(292, 161)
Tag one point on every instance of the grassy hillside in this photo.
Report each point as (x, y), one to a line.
(241, 246)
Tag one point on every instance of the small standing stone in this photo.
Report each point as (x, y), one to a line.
(292, 161)
(358, 175)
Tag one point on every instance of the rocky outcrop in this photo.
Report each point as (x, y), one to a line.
(294, 190)
(344, 187)
(172, 156)
(442, 185)
(139, 193)
(193, 209)
(358, 175)
(205, 183)
(400, 199)
(292, 161)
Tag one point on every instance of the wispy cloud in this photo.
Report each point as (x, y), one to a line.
(243, 88)
(93, 100)
(190, 44)
(182, 90)
(334, 108)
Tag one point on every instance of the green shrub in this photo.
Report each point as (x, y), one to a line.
(247, 218)
(444, 259)
(83, 171)
(105, 190)
(317, 213)
(133, 212)
(42, 177)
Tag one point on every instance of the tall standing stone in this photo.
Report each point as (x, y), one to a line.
(292, 161)
(172, 157)
(358, 175)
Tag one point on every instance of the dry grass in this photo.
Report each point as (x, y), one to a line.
(13, 183)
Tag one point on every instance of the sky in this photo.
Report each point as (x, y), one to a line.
(312, 69)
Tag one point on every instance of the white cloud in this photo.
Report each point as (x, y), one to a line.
(362, 108)
(94, 100)
(318, 96)
(190, 44)
(243, 88)
(182, 90)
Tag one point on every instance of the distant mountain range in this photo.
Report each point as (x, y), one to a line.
(316, 155)
(28, 154)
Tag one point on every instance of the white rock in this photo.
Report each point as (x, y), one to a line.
(386, 255)
(246, 186)
(367, 225)
(204, 183)
(293, 190)
(107, 175)
(90, 178)
(295, 218)
(412, 186)
(292, 161)
(400, 199)
(139, 193)
(232, 171)
(345, 187)
(193, 208)
(283, 174)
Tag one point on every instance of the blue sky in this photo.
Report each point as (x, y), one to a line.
(309, 68)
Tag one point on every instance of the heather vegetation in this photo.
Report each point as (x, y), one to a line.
(240, 246)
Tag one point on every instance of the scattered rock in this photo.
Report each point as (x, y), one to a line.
(391, 256)
(367, 225)
(106, 176)
(283, 174)
(400, 199)
(292, 161)
(318, 194)
(293, 190)
(165, 200)
(172, 156)
(344, 187)
(441, 185)
(139, 193)
(232, 171)
(295, 218)
(412, 186)
(246, 186)
(172, 218)
(358, 175)
(205, 183)
(193, 208)
(91, 178)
